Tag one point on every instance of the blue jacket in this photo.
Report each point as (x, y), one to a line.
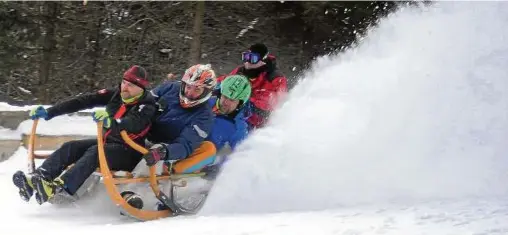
(183, 130)
(226, 129)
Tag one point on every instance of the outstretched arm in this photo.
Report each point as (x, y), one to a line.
(85, 101)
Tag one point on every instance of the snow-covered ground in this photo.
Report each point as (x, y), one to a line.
(8, 134)
(404, 135)
(61, 125)
(6, 107)
(72, 124)
(97, 214)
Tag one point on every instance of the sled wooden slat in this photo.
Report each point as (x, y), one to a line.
(40, 156)
(31, 144)
(126, 180)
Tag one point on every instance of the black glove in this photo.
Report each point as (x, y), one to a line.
(157, 152)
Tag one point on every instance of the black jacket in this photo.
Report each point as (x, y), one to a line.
(136, 120)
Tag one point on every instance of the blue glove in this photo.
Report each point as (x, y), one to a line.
(38, 112)
(157, 152)
(102, 115)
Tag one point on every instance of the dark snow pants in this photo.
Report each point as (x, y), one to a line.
(85, 155)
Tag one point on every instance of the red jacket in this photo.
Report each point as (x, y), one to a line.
(268, 88)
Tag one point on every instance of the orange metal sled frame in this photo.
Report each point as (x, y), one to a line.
(110, 181)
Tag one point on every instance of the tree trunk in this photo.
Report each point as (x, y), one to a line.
(195, 51)
(307, 27)
(49, 24)
(96, 48)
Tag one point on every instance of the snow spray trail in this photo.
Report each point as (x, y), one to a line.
(417, 112)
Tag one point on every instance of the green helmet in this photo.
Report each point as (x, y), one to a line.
(236, 87)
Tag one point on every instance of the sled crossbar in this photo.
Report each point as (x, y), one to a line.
(110, 180)
(127, 180)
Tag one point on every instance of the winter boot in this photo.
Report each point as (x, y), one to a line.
(61, 195)
(46, 189)
(24, 184)
(132, 199)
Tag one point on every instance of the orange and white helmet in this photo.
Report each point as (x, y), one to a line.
(201, 76)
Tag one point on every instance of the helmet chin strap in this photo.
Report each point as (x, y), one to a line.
(217, 103)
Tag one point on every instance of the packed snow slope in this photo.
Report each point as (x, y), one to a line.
(405, 134)
(418, 111)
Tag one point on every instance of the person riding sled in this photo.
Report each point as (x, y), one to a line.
(182, 124)
(128, 107)
(269, 85)
(230, 112)
(185, 121)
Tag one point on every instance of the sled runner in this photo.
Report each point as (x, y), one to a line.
(110, 180)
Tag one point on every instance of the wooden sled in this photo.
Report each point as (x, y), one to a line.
(110, 181)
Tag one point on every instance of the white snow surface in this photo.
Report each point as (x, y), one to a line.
(62, 125)
(7, 107)
(70, 124)
(9, 134)
(96, 213)
(405, 134)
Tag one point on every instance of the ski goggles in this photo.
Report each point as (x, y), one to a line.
(251, 57)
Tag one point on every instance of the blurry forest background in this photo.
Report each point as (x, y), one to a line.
(55, 49)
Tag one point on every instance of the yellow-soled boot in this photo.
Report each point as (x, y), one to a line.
(45, 189)
(24, 184)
